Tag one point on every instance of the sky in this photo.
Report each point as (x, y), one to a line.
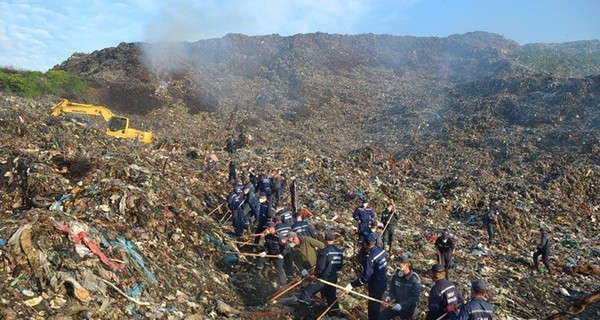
(37, 35)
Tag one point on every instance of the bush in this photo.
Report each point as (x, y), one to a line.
(32, 84)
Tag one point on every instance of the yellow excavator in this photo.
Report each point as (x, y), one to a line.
(117, 126)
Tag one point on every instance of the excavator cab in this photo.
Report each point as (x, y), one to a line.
(117, 124)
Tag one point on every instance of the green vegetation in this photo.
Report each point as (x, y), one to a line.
(557, 59)
(32, 84)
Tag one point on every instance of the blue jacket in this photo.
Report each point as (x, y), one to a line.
(443, 294)
(363, 216)
(265, 186)
(405, 290)
(264, 214)
(286, 216)
(303, 229)
(374, 271)
(329, 261)
(272, 245)
(477, 309)
(283, 229)
(234, 199)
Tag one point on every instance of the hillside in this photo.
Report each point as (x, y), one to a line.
(444, 127)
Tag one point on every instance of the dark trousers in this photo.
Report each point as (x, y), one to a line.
(545, 258)
(278, 264)
(329, 292)
(288, 265)
(387, 237)
(238, 221)
(490, 231)
(375, 291)
(388, 314)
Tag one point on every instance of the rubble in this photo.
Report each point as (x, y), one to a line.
(96, 227)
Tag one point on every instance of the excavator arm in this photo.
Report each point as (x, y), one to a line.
(117, 126)
(65, 106)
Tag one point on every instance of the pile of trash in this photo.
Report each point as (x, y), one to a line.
(96, 227)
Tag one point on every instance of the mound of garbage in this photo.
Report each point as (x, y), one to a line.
(103, 228)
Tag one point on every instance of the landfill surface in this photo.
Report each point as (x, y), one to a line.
(95, 227)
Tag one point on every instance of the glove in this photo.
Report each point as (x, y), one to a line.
(451, 308)
(279, 256)
(263, 254)
(304, 273)
(397, 307)
(387, 299)
(348, 287)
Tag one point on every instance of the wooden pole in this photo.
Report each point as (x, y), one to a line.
(330, 306)
(217, 208)
(287, 289)
(354, 292)
(290, 286)
(388, 223)
(250, 254)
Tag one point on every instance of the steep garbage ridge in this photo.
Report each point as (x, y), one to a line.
(442, 149)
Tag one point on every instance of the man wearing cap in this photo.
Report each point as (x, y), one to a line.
(544, 248)
(329, 261)
(235, 200)
(273, 248)
(373, 275)
(404, 291)
(445, 247)
(363, 215)
(265, 186)
(263, 217)
(304, 251)
(478, 308)
(444, 297)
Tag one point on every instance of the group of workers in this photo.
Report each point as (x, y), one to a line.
(292, 247)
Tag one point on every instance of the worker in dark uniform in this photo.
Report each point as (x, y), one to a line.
(364, 216)
(404, 291)
(285, 215)
(235, 200)
(445, 247)
(231, 166)
(251, 205)
(373, 275)
(492, 222)
(444, 297)
(265, 186)
(329, 261)
(273, 248)
(478, 308)
(263, 217)
(282, 229)
(302, 227)
(544, 248)
(389, 218)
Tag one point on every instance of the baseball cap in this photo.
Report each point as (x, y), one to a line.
(437, 268)
(270, 224)
(370, 237)
(291, 234)
(330, 237)
(402, 259)
(478, 285)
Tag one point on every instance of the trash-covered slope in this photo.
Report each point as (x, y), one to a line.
(151, 234)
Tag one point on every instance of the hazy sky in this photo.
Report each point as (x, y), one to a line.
(36, 35)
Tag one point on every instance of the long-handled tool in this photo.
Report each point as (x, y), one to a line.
(354, 292)
(331, 306)
(290, 286)
(217, 208)
(251, 254)
(388, 222)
